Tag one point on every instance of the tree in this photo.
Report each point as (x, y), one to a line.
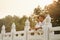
(54, 11)
(37, 10)
(32, 23)
(22, 23)
(1, 23)
(7, 21)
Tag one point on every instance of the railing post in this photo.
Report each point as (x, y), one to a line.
(13, 31)
(26, 29)
(3, 32)
(49, 26)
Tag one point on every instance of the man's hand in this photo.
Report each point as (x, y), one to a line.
(38, 28)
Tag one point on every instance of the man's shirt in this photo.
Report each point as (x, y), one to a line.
(39, 24)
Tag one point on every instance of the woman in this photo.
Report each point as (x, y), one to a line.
(40, 22)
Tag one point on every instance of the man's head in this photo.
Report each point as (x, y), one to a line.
(41, 18)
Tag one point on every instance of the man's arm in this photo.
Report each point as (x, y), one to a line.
(38, 28)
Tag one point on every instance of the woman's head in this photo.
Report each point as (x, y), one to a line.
(41, 18)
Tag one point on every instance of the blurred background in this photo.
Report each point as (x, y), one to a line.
(18, 11)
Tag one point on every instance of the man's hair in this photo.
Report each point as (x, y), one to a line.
(43, 16)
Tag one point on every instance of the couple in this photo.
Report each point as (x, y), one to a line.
(43, 26)
(40, 23)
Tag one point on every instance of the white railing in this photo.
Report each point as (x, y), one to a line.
(27, 34)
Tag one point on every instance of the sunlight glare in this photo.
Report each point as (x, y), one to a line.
(44, 3)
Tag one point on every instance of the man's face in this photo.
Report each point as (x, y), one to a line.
(41, 19)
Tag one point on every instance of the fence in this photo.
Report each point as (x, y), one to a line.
(27, 34)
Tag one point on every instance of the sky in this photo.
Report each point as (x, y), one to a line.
(20, 7)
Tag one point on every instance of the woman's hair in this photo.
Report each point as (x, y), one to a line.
(41, 15)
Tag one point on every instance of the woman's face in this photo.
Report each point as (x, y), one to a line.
(41, 19)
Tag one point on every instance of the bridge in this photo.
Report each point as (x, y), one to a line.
(47, 34)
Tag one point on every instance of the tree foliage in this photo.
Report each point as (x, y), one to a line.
(54, 11)
(37, 10)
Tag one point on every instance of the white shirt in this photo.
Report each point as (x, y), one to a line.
(39, 24)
